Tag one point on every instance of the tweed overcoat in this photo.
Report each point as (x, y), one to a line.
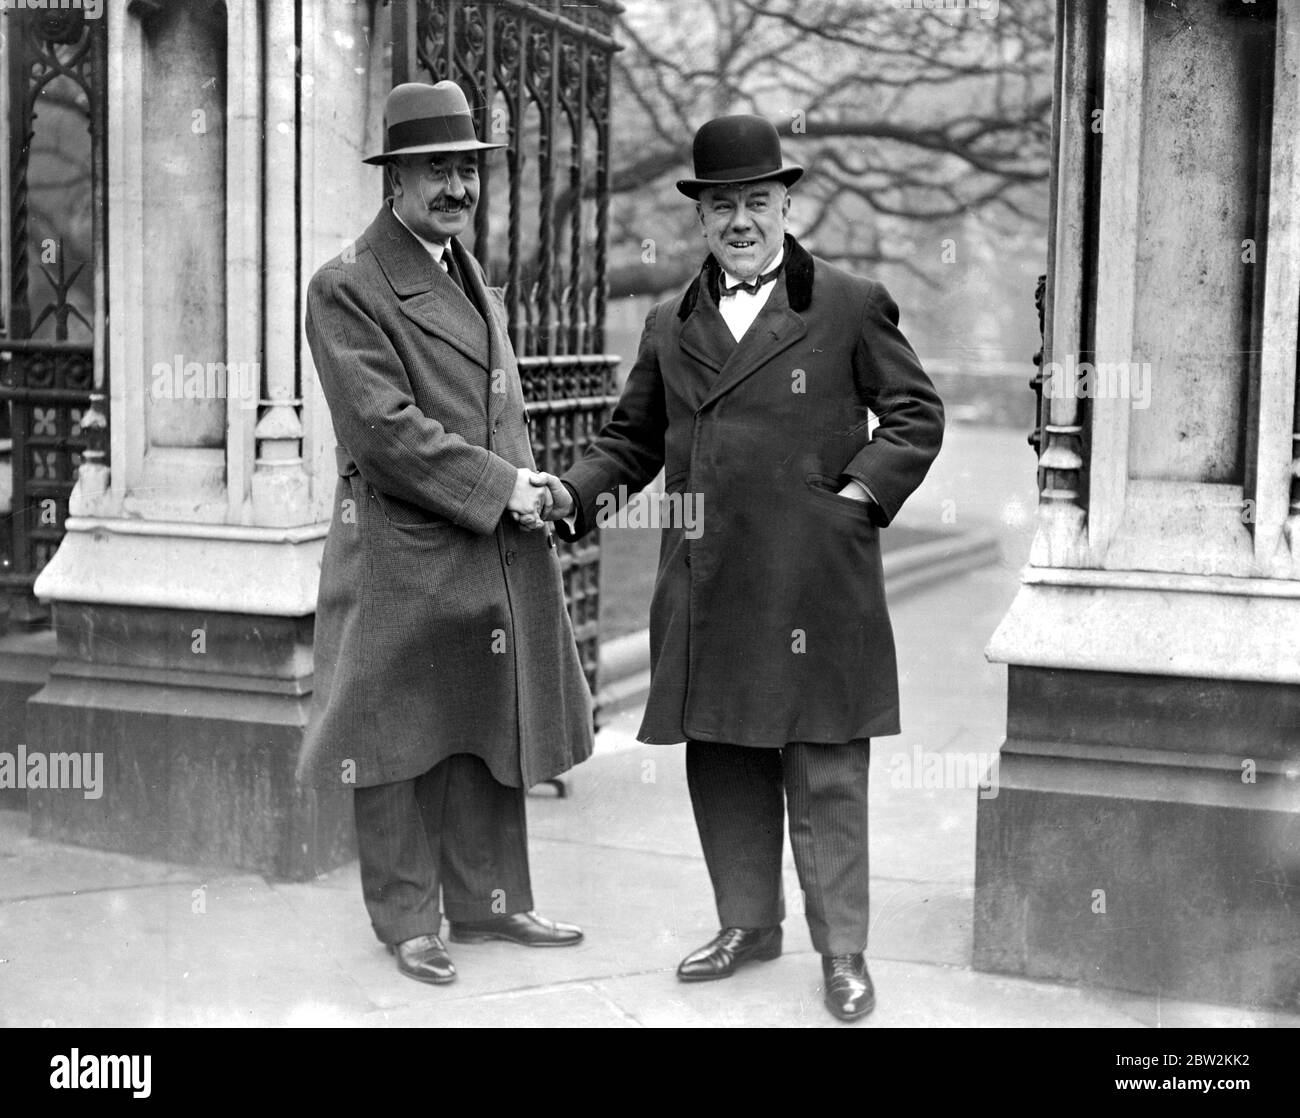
(440, 625)
(771, 626)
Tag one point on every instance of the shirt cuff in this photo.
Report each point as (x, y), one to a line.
(870, 496)
(571, 521)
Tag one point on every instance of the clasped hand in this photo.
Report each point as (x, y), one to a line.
(538, 497)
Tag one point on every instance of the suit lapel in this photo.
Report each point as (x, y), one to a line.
(499, 352)
(428, 296)
(775, 330)
(446, 314)
(705, 335)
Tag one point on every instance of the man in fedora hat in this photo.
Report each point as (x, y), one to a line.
(447, 679)
(757, 390)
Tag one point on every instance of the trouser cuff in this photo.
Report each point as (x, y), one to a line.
(477, 913)
(425, 924)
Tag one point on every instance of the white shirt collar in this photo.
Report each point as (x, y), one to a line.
(731, 280)
(434, 248)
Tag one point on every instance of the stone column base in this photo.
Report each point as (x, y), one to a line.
(25, 662)
(199, 717)
(1145, 836)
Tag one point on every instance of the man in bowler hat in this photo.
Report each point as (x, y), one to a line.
(777, 389)
(447, 679)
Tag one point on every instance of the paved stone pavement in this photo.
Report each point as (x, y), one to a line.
(95, 939)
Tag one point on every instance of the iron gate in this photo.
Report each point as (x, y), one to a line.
(53, 295)
(538, 75)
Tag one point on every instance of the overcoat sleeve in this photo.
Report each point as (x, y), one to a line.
(895, 387)
(629, 451)
(398, 448)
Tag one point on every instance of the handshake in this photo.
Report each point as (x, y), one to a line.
(538, 498)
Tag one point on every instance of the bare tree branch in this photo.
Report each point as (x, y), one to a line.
(902, 117)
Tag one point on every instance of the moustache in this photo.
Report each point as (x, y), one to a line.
(444, 205)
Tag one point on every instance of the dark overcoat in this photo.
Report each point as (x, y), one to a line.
(771, 626)
(440, 626)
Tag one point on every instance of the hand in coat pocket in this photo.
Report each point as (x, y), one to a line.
(855, 491)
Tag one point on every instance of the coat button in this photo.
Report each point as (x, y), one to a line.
(510, 557)
(688, 559)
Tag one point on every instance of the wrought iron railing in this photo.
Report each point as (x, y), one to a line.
(539, 76)
(1038, 382)
(53, 369)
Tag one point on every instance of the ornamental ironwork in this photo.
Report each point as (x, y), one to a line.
(538, 76)
(53, 370)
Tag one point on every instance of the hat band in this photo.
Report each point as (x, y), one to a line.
(458, 128)
(737, 174)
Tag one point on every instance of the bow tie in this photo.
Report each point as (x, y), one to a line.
(753, 285)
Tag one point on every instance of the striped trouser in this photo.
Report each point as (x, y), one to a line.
(740, 794)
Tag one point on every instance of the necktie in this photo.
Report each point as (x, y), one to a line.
(453, 274)
(449, 265)
(753, 285)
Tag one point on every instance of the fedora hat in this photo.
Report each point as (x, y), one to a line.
(422, 118)
(737, 149)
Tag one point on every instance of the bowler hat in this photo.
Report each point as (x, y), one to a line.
(422, 118)
(737, 149)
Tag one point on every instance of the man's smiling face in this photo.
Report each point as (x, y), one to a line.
(744, 225)
(436, 194)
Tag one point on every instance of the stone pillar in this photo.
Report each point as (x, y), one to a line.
(183, 134)
(1146, 834)
(184, 591)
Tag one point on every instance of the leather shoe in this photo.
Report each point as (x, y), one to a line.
(526, 928)
(849, 992)
(729, 949)
(425, 959)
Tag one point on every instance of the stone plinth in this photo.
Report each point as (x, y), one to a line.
(1145, 835)
(198, 761)
(25, 662)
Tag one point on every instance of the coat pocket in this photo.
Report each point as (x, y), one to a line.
(404, 514)
(825, 490)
